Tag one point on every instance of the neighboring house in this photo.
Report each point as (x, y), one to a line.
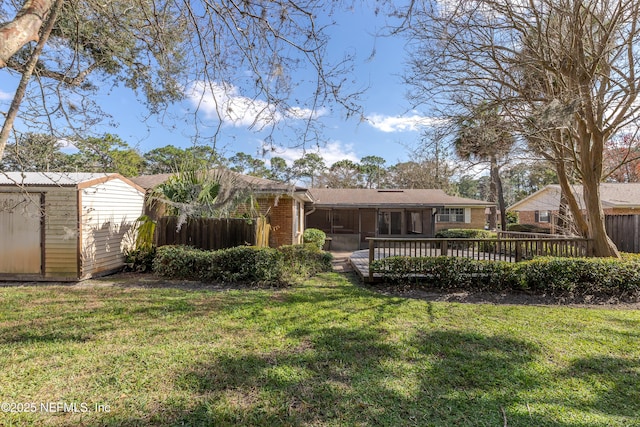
(282, 203)
(542, 208)
(65, 226)
(349, 216)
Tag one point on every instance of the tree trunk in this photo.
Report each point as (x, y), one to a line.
(495, 172)
(23, 29)
(562, 225)
(591, 143)
(26, 75)
(492, 196)
(602, 246)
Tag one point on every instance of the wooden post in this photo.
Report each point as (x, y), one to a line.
(444, 248)
(371, 257)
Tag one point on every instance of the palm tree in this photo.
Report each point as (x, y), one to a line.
(484, 136)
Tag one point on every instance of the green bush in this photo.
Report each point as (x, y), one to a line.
(601, 277)
(314, 237)
(304, 261)
(248, 264)
(471, 233)
(139, 260)
(465, 233)
(183, 262)
(607, 277)
(242, 264)
(527, 228)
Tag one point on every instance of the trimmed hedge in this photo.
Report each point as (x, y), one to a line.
(305, 260)
(465, 233)
(314, 237)
(242, 264)
(602, 277)
(468, 233)
(528, 228)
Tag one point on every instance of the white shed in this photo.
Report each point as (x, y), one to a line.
(65, 226)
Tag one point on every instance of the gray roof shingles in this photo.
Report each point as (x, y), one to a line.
(340, 197)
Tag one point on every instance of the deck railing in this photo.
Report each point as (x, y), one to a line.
(497, 249)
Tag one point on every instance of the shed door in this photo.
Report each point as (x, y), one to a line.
(20, 234)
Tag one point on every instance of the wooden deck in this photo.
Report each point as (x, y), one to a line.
(513, 249)
(359, 260)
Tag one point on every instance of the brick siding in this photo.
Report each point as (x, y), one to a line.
(478, 221)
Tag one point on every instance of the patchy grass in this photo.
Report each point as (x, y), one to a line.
(323, 353)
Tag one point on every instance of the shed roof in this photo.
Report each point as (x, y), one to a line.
(358, 197)
(612, 195)
(58, 179)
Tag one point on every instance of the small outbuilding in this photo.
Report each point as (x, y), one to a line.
(65, 226)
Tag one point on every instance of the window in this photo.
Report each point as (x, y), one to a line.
(389, 222)
(450, 215)
(414, 222)
(543, 216)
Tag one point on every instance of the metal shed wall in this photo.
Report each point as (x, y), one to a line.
(59, 241)
(109, 211)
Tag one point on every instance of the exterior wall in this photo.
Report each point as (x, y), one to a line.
(529, 217)
(282, 216)
(355, 238)
(109, 213)
(61, 234)
(476, 221)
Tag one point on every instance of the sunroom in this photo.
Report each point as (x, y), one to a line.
(350, 216)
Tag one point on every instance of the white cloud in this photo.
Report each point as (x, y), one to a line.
(5, 96)
(224, 102)
(400, 123)
(330, 153)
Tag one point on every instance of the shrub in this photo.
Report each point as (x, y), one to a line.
(465, 233)
(607, 277)
(242, 264)
(314, 237)
(447, 272)
(249, 264)
(304, 261)
(139, 260)
(601, 277)
(183, 262)
(527, 228)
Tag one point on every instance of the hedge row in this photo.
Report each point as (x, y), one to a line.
(465, 233)
(602, 277)
(242, 264)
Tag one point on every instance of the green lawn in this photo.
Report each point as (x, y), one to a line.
(323, 353)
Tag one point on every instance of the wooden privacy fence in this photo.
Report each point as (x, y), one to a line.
(213, 233)
(510, 250)
(624, 231)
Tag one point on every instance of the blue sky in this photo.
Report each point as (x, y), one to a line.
(389, 131)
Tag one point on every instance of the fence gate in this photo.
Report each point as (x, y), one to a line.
(624, 230)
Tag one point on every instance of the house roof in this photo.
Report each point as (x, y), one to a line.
(259, 185)
(59, 179)
(612, 195)
(347, 197)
